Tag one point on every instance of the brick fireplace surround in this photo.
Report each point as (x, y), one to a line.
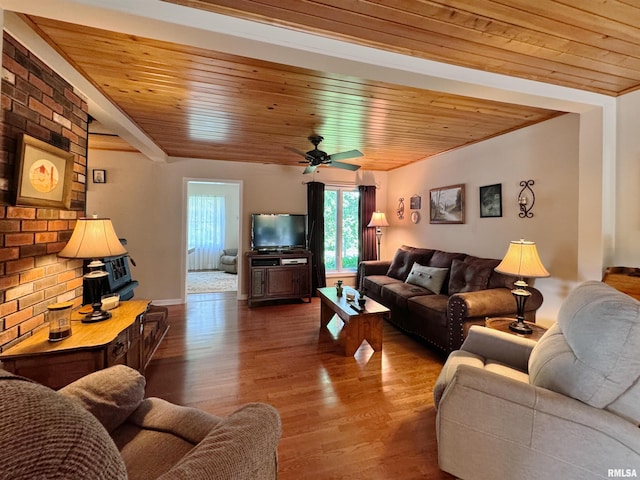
(39, 102)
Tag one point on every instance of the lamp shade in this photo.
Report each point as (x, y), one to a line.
(522, 260)
(378, 219)
(93, 238)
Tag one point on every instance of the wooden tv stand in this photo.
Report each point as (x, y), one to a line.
(278, 276)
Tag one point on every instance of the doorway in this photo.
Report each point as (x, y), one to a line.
(212, 237)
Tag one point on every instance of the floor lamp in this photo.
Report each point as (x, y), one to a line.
(94, 238)
(522, 261)
(378, 220)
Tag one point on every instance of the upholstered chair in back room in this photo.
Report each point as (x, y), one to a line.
(229, 260)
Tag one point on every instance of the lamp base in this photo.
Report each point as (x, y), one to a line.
(93, 281)
(520, 327)
(521, 294)
(96, 316)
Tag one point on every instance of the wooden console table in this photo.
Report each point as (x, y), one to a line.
(91, 347)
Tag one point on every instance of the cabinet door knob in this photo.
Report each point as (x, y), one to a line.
(118, 348)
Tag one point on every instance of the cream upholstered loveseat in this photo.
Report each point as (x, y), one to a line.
(567, 407)
(100, 427)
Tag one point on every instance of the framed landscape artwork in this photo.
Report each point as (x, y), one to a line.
(491, 201)
(446, 204)
(44, 174)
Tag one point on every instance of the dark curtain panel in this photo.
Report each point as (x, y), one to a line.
(315, 212)
(367, 235)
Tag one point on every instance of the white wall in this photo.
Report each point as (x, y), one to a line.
(546, 153)
(145, 201)
(627, 241)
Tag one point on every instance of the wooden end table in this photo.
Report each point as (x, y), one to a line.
(502, 324)
(91, 347)
(358, 326)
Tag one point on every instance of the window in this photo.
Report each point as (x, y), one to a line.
(341, 228)
(206, 231)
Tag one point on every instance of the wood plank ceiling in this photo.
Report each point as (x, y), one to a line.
(205, 104)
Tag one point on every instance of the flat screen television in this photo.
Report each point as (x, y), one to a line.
(278, 231)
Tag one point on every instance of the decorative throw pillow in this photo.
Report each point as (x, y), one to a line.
(430, 278)
(400, 264)
(468, 277)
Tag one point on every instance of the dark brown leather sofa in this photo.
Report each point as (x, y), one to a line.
(471, 292)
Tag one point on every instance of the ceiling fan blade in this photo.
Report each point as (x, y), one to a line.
(310, 169)
(295, 150)
(345, 155)
(345, 166)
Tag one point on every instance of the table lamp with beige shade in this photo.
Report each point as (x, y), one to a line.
(522, 261)
(92, 239)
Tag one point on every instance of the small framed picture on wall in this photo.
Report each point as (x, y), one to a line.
(99, 176)
(491, 201)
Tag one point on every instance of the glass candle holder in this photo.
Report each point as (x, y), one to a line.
(59, 318)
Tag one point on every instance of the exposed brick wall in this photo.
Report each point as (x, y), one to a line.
(42, 104)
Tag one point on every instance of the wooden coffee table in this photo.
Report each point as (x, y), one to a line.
(358, 326)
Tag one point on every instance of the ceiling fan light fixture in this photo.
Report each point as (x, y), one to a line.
(317, 157)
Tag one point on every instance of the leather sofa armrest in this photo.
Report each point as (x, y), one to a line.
(502, 347)
(243, 446)
(483, 303)
(372, 267)
(469, 308)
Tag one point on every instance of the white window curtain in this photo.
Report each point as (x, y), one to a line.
(206, 231)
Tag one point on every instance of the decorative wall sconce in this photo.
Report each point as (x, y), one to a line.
(526, 199)
(400, 210)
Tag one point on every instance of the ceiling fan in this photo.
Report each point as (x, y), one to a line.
(316, 157)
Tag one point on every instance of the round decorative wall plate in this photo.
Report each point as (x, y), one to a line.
(415, 217)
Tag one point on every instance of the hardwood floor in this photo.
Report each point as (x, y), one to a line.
(370, 416)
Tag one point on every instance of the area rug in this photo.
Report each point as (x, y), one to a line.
(214, 281)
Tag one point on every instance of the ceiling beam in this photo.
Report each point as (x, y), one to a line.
(100, 107)
(174, 23)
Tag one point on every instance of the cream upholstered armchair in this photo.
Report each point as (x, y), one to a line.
(229, 260)
(567, 407)
(101, 427)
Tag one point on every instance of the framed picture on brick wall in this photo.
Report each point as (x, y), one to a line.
(44, 174)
